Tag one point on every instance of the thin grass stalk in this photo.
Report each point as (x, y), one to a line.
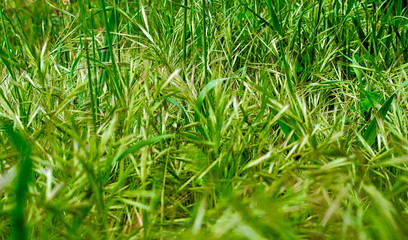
(162, 195)
(112, 57)
(90, 85)
(94, 55)
(5, 33)
(137, 19)
(204, 39)
(312, 48)
(88, 64)
(172, 17)
(185, 40)
(115, 11)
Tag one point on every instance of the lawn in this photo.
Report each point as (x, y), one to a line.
(203, 119)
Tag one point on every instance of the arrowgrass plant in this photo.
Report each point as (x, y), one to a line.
(112, 128)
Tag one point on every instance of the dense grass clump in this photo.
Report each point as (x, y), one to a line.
(197, 119)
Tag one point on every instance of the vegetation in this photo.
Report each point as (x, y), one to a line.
(196, 119)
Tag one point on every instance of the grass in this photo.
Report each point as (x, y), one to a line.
(196, 119)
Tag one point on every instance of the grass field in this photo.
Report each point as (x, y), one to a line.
(198, 119)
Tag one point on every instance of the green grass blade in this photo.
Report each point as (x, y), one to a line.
(24, 178)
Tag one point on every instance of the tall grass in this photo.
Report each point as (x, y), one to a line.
(204, 37)
(203, 119)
